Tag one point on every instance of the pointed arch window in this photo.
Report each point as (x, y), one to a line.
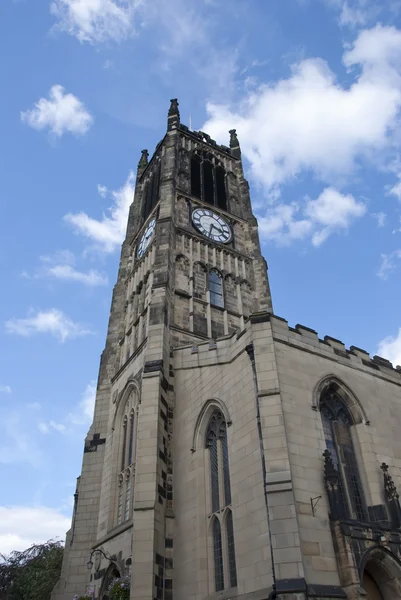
(125, 478)
(221, 526)
(208, 180)
(151, 191)
(216, 289)
(337, 422)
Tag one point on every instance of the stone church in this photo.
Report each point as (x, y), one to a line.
(231, 456)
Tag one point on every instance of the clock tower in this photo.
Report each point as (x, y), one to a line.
(230, 455)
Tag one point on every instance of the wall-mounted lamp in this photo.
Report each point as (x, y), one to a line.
(107, 556)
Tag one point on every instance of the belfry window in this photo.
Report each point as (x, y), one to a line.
(216, 289)
(125, 478)
(221, 519)
(151, 191)
(208, 181)
(337, 423)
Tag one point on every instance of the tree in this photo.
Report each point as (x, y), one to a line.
(31, 574)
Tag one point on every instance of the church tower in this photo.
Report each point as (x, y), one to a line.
(227, 449)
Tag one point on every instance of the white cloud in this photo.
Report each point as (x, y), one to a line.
(316, 219)
(68, 273)
(395, 190)
(96, 21)
(84, 413)
(388, 263)
(61, 266)
(309, 122)
(107, 233)
(5, 389)
(390, 348)
(61, 113)
(22, 526)
(380, 218)
(47, 427)
(52, 321)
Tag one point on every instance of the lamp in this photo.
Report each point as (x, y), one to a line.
(106, 555)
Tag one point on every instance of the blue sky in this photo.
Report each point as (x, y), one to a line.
(314, 90)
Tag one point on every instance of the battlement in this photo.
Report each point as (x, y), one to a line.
(225, 348)
(303, 337)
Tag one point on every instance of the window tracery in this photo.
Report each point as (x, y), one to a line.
(222, 529)
(208, 180)
(337, 423)
(126, 475)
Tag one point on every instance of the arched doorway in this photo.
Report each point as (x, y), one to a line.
(371, 588)
(110, 574)
(380, 574)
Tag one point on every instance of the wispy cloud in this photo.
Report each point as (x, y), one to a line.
(96, 21)
(60, 113)
(108, 232)
(53, 322)
(380, 218)
(5, 389)
(83, 414)
(388, 264)
(47, 427)
(17, 446)
(62, 266)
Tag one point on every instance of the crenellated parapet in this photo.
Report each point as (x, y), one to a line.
(308, 339)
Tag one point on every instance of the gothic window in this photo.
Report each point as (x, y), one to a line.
(218, 556)
(196, 176)
(151, 191)
(216, 288)
(337, 423)
(222, 530)
(208, 181)
(125, 477)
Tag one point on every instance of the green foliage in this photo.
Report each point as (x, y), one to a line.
(119, 588)
(31, 574)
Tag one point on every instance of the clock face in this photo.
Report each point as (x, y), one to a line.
(211, 225)
(146, 237)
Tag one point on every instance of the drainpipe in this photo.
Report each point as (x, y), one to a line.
(251, 354)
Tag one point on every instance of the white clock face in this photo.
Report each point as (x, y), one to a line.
(211, 225)
(146, 237)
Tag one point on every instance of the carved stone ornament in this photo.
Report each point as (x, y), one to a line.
(173, 110)
(233, 138)
(331, 475)
(143, 161)
(389, 486)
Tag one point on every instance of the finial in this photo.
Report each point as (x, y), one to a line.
(233, 138)
(143, 162)
(234, 143)
(173, 115)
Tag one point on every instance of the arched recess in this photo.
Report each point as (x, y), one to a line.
(381, 566)
(123, 396)
(108, 577)
(182, 265)
(332, 383)
(203, 419)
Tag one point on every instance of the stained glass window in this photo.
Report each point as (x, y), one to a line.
(337, 422)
